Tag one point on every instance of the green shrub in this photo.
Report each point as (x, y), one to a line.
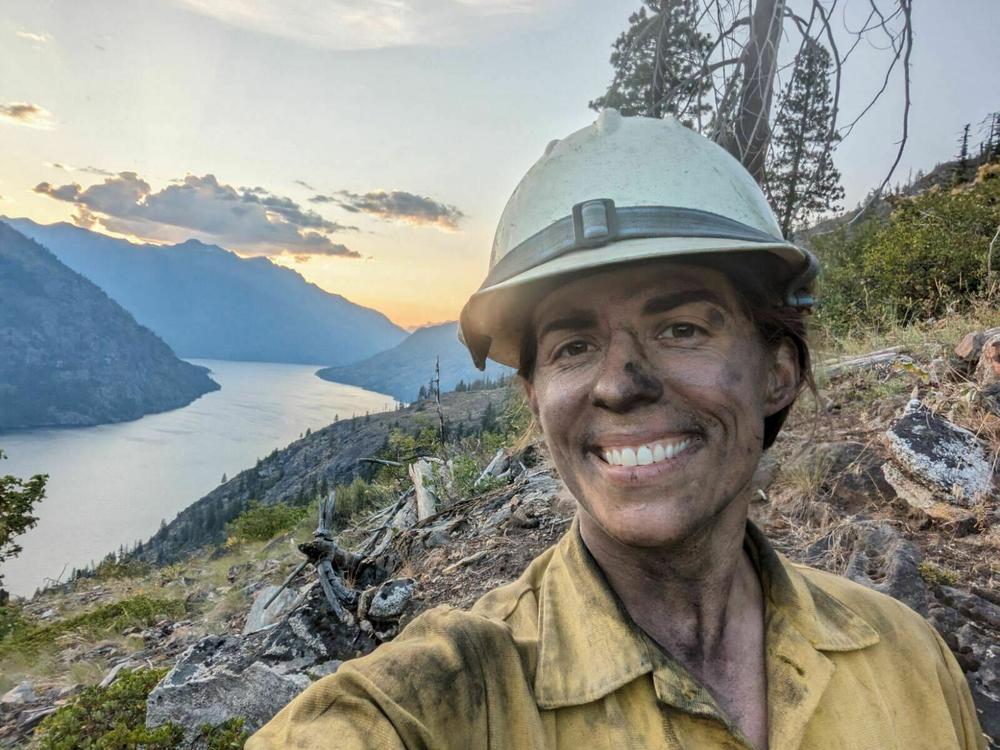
(10, 620)
(259, 523)
(229, 735)
(140, 610)
(929, 258)
(111, 718)
(360, 496)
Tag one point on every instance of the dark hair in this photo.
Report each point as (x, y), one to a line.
(762, 302)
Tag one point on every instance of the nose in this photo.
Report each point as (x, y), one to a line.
(626, 378)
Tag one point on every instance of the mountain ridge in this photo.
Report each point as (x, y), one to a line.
(72, 355)
(403, 369)
(207, 302)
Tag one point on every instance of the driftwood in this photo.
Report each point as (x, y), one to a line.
(330, 562)
(838, 366)
(422, 474)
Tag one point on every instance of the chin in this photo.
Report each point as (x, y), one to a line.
(645, 527)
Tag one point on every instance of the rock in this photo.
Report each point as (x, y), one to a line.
(883, 560)
(113, 674)
(255, 675)
(17, 696)
(389, 599)
(965, 621)
(310, 635)
(926, 503)
(948, 459)
(324, 669)
(991, 398)
(260, 618)
(988, 367)
(212, 683)
(32, 718)
(970, 347)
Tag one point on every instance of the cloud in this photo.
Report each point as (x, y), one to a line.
(25, 113)
(88, 170)
(252, 220)
(305, 184)
(373, 24)
(397, 205)
(32, 37)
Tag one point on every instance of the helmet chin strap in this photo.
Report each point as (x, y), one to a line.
(598, 222)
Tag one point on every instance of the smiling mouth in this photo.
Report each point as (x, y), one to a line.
(644, 454)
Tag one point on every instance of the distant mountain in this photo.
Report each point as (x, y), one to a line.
(207, 302)
(401, 371)
(69, 355)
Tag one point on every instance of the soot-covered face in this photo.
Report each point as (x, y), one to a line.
(651, 386)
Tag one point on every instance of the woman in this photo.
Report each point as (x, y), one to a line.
(640, 286)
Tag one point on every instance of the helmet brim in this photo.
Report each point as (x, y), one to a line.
(493, 320)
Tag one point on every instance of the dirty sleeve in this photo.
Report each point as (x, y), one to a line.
(434, 686)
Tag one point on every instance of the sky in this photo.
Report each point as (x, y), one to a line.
(370, 144)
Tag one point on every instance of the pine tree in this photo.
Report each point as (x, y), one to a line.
(224, 479)
(661, 47)
(801, 178)
(962, 167)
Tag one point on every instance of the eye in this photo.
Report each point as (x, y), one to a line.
(572, 349)
(681, 331)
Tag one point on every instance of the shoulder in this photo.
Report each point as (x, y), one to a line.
(499, 629)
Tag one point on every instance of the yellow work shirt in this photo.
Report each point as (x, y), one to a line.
(553, 660)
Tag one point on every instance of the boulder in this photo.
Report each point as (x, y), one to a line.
(947, 459)
(883, 560)
(260, 618)
(17, 696)
(969, 625)
(253, 676)
(970, 347)
(218, 679)
(926, 502)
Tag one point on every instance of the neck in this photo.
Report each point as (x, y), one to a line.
(688, 595)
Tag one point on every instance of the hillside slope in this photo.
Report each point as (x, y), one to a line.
(296, 473)
(401, 370)
(821, 496)
(209, 303)
(72, 356)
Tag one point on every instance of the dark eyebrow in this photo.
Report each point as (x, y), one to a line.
(667, 302)
(573, 322)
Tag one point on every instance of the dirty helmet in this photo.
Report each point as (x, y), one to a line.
(623, 189)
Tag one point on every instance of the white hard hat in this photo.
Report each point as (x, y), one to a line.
(622, 189)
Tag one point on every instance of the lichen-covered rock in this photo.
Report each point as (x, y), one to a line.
(970, 625)
(216, 680)
(947, 458)
(883, 560)
(253, 676)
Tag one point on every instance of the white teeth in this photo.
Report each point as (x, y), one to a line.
(644, 455)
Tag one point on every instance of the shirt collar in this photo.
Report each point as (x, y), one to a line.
(589, 646)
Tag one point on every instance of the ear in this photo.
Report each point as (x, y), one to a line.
(530, 394)
(784, 377)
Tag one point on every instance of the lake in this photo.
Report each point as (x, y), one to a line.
(112, 484)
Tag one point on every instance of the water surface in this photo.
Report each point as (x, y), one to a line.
(113, 484)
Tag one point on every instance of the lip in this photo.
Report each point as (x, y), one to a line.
(632, 475)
